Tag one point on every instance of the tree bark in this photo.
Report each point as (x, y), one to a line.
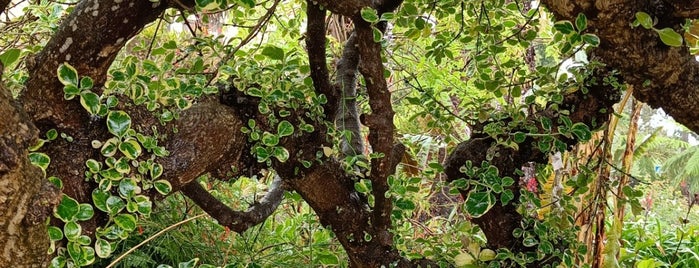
(26, 198)
(663, 76)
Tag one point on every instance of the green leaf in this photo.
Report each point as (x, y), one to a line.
(591, 39)
(86, 83)
(207, 5)
(281, 153)
(262, 154)
(405, 204)
(507, 181)
(648, 263)
(478, 203)
(285, 129)
(361, 187)
(67, 75)
(118, 122)
(70, 91)
(109, 148)
(644, 19)
(581, 22)
(162, 186)
(130, 148)
(74, 251)
(52, 134)
(99, 198)
(125, 221)
(9, 56)
(87, 256)
(122, 166)
(581, 131)
(369, 14)
(269, 139)
(506, 196)
(58, 262)
(85, 212)
(114, 204)
(670, 37)
(72, 230)
(128, 187)
(40, 160)
(144, 204)
(529, 242)
(247, 3)
(189, 264)
(170, 45)
(67, 209)
(564, 26)
(546, 247)
(55, 233)
(328, 258)
(103, 248)
(156, 170)
(90, 101)
(378, 35)
(93, 166)
(273, 52)
(520, 137)
(56, 181)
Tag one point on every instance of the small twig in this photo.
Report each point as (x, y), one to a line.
(155, 34)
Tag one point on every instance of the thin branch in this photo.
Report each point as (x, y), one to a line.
(260, 23)
(235, 220)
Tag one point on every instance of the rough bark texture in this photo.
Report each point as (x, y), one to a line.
(662, 76)
(26, 199)
(209, 138)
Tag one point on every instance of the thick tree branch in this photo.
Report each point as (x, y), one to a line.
(26, 198)
(662, 76)
(236, 220)
(317, 58)
(347, 117)
(208, 140)
(82, 41)
(331, 194)
(380, 123)
(592, 108)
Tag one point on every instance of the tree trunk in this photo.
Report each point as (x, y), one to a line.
(26, 198)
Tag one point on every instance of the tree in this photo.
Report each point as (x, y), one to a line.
(141, 151)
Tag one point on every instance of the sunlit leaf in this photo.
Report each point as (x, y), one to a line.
(72, 230)
(273, 52)
(67, 75)
(162, 186)
(102, 248)
(125, 221)
(670, 37)
(644, 19)
(9, 56)
(67, 209)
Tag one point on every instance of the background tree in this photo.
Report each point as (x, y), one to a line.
(121, 129)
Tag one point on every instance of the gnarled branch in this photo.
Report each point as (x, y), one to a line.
(236, 220)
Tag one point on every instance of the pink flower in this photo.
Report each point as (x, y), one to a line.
(532, 185)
